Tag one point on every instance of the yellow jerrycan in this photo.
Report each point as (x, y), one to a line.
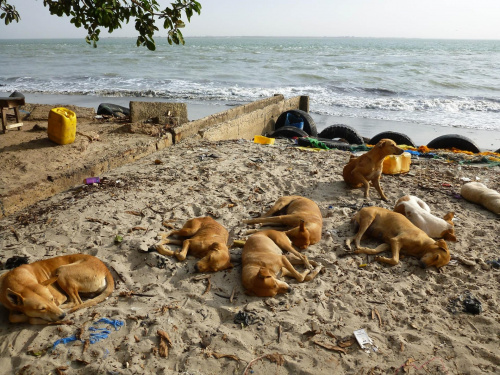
(62, 126)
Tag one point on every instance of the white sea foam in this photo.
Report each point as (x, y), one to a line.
(445, 83)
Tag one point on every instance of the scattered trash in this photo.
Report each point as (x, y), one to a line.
(472, 305)
(16, 261)
(92, 180)
(494, 263)
(364, 341)
(468, 303)
(263, 140)
(98, 333)
(161, 262)
(204, 156)
(465, 179)
(245, 318)
(118, 238)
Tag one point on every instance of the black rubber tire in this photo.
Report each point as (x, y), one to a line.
(399, 138)
(342, 131)
(309, 124)
(497, 151)
(112, 110)
(288, 132)
(454, 140)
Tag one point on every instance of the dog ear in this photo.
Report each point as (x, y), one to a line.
(50, 281)
(263, 273)
(448, 235)
(380, 144)
(302, 227)
(15, 298)
(442, 244)
(449, 217)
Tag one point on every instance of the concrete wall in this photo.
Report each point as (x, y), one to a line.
(158, 111)
(241, 122)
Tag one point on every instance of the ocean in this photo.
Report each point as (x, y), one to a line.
(421, 87)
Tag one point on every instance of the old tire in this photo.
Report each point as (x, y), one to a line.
(112, 110)
(454, 141)
(399, 138)
(497, 151)
(309, 124)
(288, 132)
(342, 131)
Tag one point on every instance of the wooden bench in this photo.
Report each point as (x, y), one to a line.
(11, 103)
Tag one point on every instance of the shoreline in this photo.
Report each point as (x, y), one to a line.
(486, 140)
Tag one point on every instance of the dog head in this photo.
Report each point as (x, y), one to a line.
(265, 284)
(217, 259)
(299, 236)
(35, 302)
(388, 147)
(436, 255)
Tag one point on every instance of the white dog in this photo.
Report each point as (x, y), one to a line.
(419, 213)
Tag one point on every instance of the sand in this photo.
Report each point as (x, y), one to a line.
(410, 313)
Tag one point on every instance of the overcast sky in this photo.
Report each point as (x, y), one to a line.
(455, 19)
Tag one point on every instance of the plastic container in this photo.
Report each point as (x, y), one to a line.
(263, 140)
(394, 164)
(62, 126)
(293, 120)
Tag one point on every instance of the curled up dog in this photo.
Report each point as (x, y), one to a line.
(202, 237)
(36, 293)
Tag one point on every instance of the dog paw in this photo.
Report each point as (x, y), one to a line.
(65, 322)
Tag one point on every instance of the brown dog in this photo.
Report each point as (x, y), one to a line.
(399, 235)
(205, 238)
(28, 290)
(362, 170)
(296, 212)
(262, 260)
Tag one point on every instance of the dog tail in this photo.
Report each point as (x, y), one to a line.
(110, 286)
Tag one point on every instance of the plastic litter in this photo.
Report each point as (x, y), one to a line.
(263, 140)
(98, 333)
(467, 302)
(245, 318)
(494, 263)
(92, 180)
(15, 261)
(364, 341)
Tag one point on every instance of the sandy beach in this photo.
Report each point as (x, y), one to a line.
(414, 316)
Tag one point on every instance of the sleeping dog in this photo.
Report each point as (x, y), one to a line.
(419, 213)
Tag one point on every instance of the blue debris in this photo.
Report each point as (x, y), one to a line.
(97, 334)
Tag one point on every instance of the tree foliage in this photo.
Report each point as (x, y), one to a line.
(93, 15)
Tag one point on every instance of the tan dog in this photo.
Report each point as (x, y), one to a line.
(419, 213)
(205, 238)
(399, 235)
(263, 259)
(362, 170)
(29, 293)
(296, 212)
